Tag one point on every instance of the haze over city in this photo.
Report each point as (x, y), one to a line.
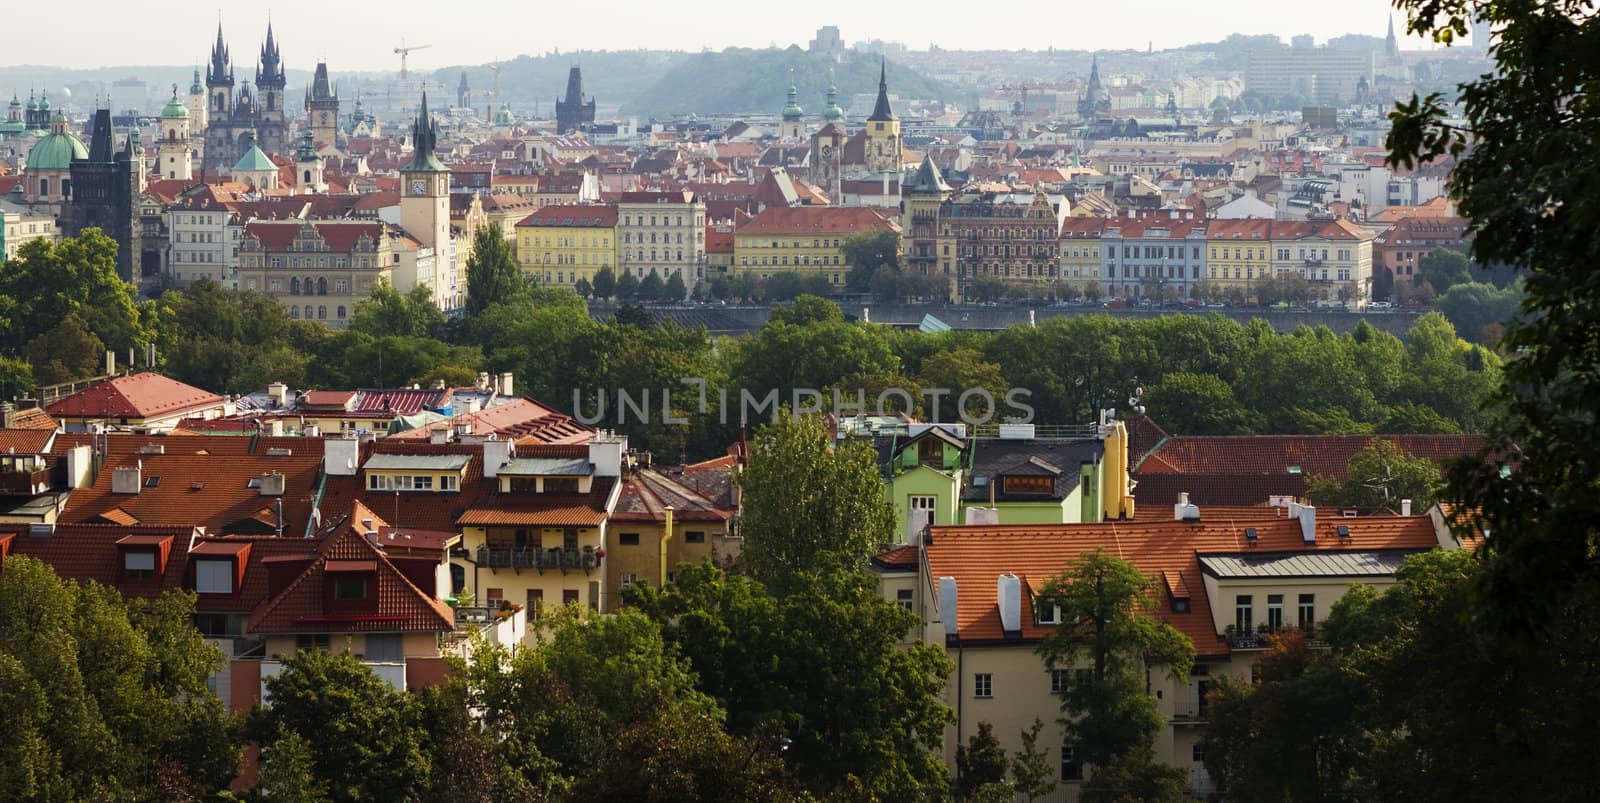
(360, 37)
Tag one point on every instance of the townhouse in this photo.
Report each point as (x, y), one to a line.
(662, 233)
(1081, 252)
(807, 240)
(1225, 581)
(1158, 255)
(320, 269)
(1335, 257)
(1238, 256)
(558, 245)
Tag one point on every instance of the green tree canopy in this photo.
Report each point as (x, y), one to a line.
(102, 698)
(810, 506)
(49, 281)
(492, 273)
(1379, 476)
(605, 283)
(388, 312)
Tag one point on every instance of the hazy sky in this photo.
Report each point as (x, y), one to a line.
(363, 35)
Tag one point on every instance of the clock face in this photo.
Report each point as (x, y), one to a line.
(419, 186)
(827, 150)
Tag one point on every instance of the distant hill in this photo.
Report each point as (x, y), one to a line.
(739, 80)
(614, 78)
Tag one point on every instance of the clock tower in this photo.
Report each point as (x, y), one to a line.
(425, 199)
(883, 130)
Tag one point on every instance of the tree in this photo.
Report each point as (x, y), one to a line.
(868, 255)
(826, 667)
(492, 273)
(980, 762)
(16, 377)
(1111, 715)
(985, 289)
(1473, 307)
(722, 288)
(806, 310)
(810, 506)
(1092, 291)
(363, 733)
(288, 771)
(627, 287)
(651, 287)
(583, 288)
(1442, 270)
(388, 312)
(634, 315)
(104, 698)
(1031, 773)
(959, 370)
(1197, 404)
(605, 283)
(67, 352)
(1379, 475)
(675, 290)
(49, 281)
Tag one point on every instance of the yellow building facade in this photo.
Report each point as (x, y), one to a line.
(1081, 251)
(559, 245)
(1238, 256)
(808, 240)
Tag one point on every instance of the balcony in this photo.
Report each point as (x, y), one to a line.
(1261, 637)
(586, 559)
(21, 481)
(1188, 712)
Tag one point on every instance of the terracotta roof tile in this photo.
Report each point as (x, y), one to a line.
(144, 395)
(26, 441)
(977, 555)
(817, 220)
(1281, 454)
(647, 493)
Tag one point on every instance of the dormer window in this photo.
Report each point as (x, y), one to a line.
(1046, 612)
(138, 565)
(350, 587)
(213, 576)
(1028, 485)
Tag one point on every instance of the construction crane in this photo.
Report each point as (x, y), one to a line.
(405, 51)
(495, 68)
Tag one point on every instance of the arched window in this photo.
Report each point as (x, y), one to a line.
(322, 313)
(310, 285)
(308, 312)
(294, 312)
(307, 179)
(44, 186)
(341, 312)
(294, 287)
(322, 287)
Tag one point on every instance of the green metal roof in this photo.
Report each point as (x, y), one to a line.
(424, 462)
(56, 152)
(174, 109)
(254, 159)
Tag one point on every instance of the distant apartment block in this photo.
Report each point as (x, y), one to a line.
(1320, 75)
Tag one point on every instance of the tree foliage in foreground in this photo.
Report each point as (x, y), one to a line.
(104, 699)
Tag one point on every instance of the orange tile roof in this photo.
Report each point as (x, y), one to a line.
(397, 604)
(1167, 551)
(523, 515)
(585, 216)
(817, 220)
(144, 395)
(32, 418)
(26, 441)
(646, 494)
(524, 420)
(1275, 454)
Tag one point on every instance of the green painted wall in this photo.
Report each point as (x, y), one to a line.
(923, 481)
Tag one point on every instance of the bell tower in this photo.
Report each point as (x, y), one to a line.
(425, 189)
(174, 153)
(883, 130)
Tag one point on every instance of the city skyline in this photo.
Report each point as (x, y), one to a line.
(310, 34)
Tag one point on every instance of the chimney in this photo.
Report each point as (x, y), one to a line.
(439, 435)
(272, 484)
(126, 479)
(947, 605)
(496, 453)
(340, 457)
(463, 430)
(605, 454)
(1183, 511)
(111, 362)
(80, 467)
(469, 404)
(277, 393)
(505, 384)
(1307, 516)
(438, 384)
(313, 431)
(1405, 507)
(483, 381)
(1008, 595)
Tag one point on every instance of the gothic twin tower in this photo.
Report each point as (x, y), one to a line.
(237, 115)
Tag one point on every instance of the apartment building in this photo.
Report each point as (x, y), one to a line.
(320, 269)
(664, 233)
(1158, 255)
(808, 240)
(558, 245)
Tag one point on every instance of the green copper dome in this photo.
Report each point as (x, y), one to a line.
(504, 115)
(56, 152)
(832, 113)
(792, 110)
(15, 104)
(254, 160)
(33, 104)
(174, 110)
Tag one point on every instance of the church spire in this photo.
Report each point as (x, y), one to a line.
(220, 70)
(424, 137)
(881, 112)
(1391, 45)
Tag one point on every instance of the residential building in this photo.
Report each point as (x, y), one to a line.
(1010, 237)
(1020, 478)
(1238, 257)
(1223, 581)
(204, 243)
(1159, 255)
(558, 245)
(1081, 257)
(144, 402)
(924, 466)
(1334, 256)
(1397, 251)
(318, 269)
(1324, 76)
(664, 233)
(20, 224)
(807, 240)
(663, 521)
(540, 539)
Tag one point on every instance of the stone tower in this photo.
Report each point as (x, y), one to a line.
(273, 120)
(794, 123)
(322, 110)
(883, 130)
(174, 156)
(105, 191)
(572, 111)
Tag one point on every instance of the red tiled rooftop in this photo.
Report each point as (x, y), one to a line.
(144, 395)
(1276, 454)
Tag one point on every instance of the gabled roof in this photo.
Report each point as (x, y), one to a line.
(816, 220)
(647, 493)
(1283, 454)
(526, 421)
(144, 396)
(992, 459)
(399, 605)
